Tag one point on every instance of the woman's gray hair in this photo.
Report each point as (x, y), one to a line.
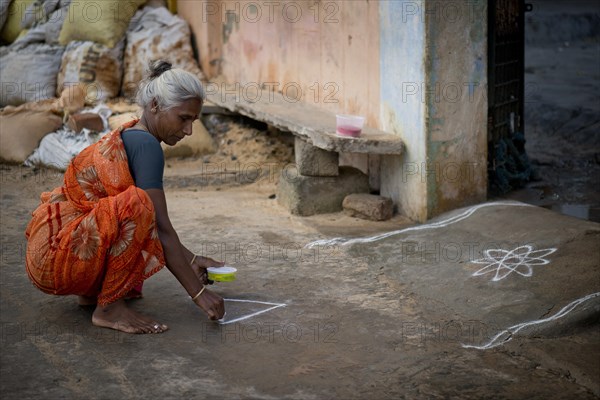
(169, 86)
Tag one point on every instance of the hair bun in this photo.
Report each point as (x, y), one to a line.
(157, 67)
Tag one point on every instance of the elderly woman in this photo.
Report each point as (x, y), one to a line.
(106, 229)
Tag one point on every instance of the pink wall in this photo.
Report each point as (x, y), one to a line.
(325, 53)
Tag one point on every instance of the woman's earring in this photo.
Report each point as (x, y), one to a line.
(154, 110)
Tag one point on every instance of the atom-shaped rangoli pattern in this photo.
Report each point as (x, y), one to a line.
(505, 262)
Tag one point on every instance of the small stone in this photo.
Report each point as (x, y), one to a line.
(368, 206)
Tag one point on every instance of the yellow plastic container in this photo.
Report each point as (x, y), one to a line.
(222, 274)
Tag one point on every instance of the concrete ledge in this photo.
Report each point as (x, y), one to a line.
(315, 125)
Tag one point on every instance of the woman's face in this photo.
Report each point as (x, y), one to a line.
(173, 125)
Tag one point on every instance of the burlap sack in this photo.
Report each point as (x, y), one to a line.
(29, 74)
(72, 99)
(38, 13)
(15, 16)
(95, 67)
(3, 12)
(21, 132)
(47, 28)
(120, 106)
(103, 22)
(198, 143)
(154, 34)
(117, 120)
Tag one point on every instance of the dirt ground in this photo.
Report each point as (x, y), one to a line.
(386, 318)
(374, 321)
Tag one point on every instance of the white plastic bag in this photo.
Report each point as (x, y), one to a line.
(57, 149)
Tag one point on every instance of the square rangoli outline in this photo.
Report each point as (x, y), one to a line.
(274, 306)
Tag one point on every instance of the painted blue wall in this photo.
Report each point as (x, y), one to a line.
(403, 111)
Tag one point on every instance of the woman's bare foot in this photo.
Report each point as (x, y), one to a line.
(118, 316)
(86, 301)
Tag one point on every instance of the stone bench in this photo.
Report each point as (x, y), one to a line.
(311, 123)
(320, 184)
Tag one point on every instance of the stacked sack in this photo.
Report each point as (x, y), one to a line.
(65, 43)
(98, 48)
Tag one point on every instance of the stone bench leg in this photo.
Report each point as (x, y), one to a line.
(308, 195)
(320, 185)
(312, 161)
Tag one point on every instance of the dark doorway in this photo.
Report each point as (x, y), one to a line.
(558, 110)
(508, 165)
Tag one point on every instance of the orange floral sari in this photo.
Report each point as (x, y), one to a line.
(96, 235)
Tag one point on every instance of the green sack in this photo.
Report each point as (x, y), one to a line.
(15, 15)
(100, 21)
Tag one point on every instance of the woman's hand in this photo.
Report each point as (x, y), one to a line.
(212, 304)
(199, 267)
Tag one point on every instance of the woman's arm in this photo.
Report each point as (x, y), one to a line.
(178, 258)
(200, 264)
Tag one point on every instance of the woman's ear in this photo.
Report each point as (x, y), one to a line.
(154, 106)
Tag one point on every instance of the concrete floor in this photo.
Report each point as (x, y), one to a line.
(385, 318)
(401, 316)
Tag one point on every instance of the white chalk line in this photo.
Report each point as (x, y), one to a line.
(433, 225)
(275, 305)
(497, 261)
(511, 331)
